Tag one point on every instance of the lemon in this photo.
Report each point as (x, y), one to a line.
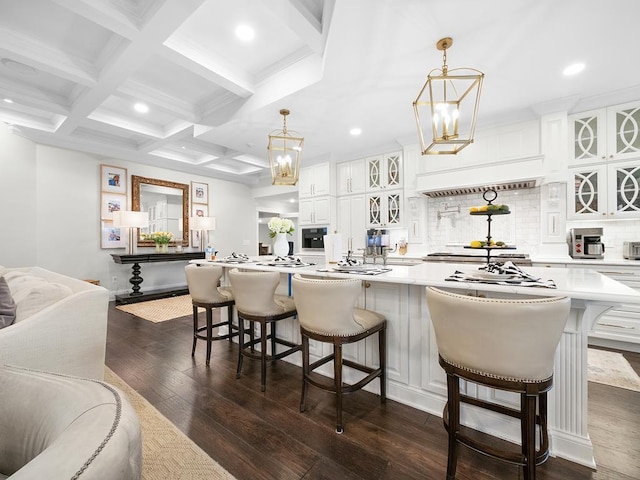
(483, 208)
(473, 209)
(476, 244)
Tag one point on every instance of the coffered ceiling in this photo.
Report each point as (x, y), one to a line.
(71, 72)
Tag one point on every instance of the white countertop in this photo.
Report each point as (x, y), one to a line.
(577, 283)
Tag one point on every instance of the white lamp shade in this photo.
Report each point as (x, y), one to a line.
(130, 219)
(202, 223)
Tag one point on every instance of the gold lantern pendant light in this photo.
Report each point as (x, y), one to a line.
(285, 150)
(450, 98)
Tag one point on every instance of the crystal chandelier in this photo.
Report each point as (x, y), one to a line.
(450, 102)
(285, 150)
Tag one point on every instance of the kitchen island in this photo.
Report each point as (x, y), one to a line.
(414, 376)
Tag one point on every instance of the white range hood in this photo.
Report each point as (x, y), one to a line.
(503, 175)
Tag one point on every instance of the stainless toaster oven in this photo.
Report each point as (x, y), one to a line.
(631, 250)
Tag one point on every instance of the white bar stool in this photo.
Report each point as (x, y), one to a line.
(203, 282)
(327, 313)
(507, 344)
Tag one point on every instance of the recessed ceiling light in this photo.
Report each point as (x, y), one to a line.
(7, 100)
(245, 33)
(141, 108)
(573, 69)
(355, 131)
(292, 200)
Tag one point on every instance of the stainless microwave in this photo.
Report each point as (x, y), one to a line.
(313, 238)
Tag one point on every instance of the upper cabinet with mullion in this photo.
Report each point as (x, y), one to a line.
(604, 135)
(384, 171)
(609, 191)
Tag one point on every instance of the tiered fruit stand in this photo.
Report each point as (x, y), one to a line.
(490, 196)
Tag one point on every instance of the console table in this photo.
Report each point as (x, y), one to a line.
(136, 295)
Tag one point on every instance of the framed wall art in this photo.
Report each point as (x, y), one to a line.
(198, 211)
(111, 236)
(113, 179)
(199, 193)
(112, 203)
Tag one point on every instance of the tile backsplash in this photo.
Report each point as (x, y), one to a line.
(450, 227)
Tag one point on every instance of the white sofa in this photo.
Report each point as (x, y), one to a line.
(60, 427)
(60, 324)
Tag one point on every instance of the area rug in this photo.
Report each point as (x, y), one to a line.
(160, 310)
(611, 368)
(167, 453)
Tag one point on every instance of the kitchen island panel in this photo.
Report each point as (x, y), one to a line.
(415, 377)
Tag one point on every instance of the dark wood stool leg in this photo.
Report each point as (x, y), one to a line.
(528, 428)
(252, 333)
(305, 372)
(263, 356)
(382, 350)
(230, 322)
(195, 330)
(544, 434)
(273, 340)
(209, 332)
(453, 410)
(337, 375)
(241, 345)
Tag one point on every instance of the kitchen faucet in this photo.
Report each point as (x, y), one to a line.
(375, 249)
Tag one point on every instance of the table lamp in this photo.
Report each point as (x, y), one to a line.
(131, 221)
(202, 224)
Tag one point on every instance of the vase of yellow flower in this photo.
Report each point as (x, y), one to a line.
(161, 239)
(279, 228)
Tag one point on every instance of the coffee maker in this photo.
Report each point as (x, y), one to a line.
(586, 243)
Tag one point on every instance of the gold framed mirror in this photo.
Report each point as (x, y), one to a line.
(167, 204)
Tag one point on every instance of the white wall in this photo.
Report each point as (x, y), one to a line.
(51, 214)
(17, 199)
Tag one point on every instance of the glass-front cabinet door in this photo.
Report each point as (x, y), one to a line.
(384, 171)
(605, 191)
(586, 193)
(588, 144)
(605, 135)
(624, 194)
(385, 210)
(624, 125)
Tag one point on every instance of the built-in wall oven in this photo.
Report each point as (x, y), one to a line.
(313, 238)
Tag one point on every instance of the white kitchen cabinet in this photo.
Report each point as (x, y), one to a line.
(619, 327)
(392, 301)
(351, 177)
(605, 191)
(385, 209)
(606, 134)
(316, 211)
(384, 171)
(315, 180)
(352, 222)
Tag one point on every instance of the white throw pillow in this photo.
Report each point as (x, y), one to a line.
(39, 298)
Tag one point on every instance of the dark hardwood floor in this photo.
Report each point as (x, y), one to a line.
(258, 435)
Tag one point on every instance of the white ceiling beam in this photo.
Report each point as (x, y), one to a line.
(42, 57)
(104, 14)
(36, 98)
(209, 66)
(301, 22)
(168, 17)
